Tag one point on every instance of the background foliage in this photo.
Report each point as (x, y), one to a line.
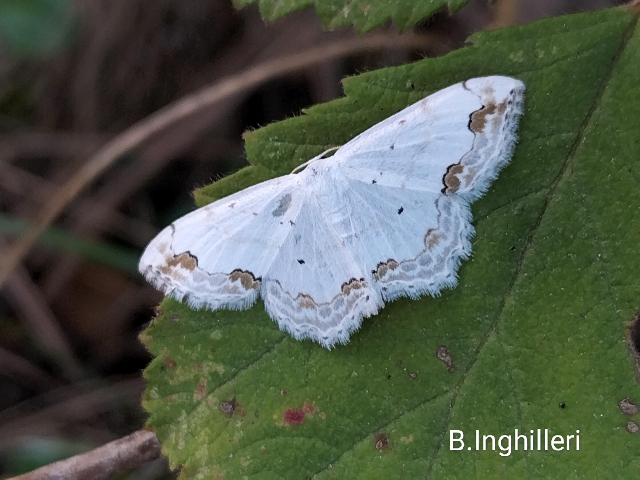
(536, 328)
(362, 15)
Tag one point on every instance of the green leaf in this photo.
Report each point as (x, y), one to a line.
(33, 27)
(535, 328)
(362, 14)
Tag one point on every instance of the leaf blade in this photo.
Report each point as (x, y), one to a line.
(525, 225)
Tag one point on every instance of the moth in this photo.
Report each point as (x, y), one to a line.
(387, 215)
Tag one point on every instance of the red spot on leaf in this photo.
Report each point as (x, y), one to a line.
(293, 416)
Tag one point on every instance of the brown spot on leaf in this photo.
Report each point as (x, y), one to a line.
(383, 267)
(184, 260)
(450, 180)
(247, 279)
(632, 427)
(169, 362)
(283, 393)
(413, 374)
(308, 408)
(228, 406)
(444, 355)
(175, 317)
(200, 390)
(352, 284)
(633, 342)
(157, 312)
(380, 441)
(478, 119)
(627, 407)
(293, 416)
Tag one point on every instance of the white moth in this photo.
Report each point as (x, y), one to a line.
(386, 216)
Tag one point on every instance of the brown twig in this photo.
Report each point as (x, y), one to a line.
(168, 115)
(103, 462)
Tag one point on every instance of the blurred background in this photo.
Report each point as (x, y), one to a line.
(75, 75)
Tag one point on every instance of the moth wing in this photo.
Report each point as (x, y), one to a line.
(408, 242)
(316, 287)
(215, 256)
(454, 141)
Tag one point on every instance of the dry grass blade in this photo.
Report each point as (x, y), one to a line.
(27, 299)
(14, 366)
(65, 405)
(189, 105)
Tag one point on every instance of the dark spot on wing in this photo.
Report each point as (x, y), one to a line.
(283, 206)
(246, 278)
(300, 261)
(400, 210)
(373, 182)
(185, 260)
(450, 178)
(478, 119)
